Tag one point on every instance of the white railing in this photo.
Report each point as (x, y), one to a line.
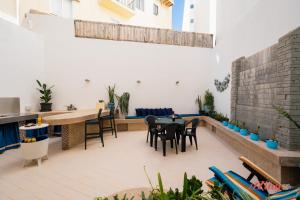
(128, 3)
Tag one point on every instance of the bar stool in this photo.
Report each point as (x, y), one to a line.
(92, 135)
(112, 124)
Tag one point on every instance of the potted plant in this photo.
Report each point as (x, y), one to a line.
(123, 102)
(111, 97)
(243, 131)
(100, 104)
(255, 134)
(231, 124)
(272, 143)
(237, 126)
(45, 96)
(208, 102)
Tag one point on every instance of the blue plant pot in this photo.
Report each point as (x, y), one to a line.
(225, 123)
(111, 106)
(236, 129)
(244, 132)
(231, 126)
(271, 144)
(254, 137)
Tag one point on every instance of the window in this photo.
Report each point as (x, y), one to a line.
(139, 4)
(192, 6)
(192, 21)
(155, 9)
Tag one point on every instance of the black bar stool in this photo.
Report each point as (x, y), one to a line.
(94, 134)
(112, 124)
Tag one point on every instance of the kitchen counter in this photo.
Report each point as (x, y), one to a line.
(16, 117)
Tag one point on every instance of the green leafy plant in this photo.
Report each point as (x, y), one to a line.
(273, 137)
(218, 116)
(101, 101)
(192, 190)
(209, 101)
(256, 131)
(123, 102)
(237, 123)
(284, 113)
(111, 93)
(199, 102)
(243, 125)
(46, 92)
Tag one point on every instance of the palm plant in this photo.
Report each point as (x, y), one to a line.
(209, 101)
(123, 102)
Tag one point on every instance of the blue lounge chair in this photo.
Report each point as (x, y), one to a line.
(238, 187)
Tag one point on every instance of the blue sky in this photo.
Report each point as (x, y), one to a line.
(177, 15)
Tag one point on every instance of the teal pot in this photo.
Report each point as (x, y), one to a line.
(231, 126)
(225, 123)
(271, 144)
(236, 129)
(254, 137)
(111, 106)
(244, 132)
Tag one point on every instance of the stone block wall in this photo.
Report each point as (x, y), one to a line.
(269, 78)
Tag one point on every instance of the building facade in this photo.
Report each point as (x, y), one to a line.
(150, 13)
(199, 16)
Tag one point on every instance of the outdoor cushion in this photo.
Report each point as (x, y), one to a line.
(286, 194)
(238, 185)
(138, 112)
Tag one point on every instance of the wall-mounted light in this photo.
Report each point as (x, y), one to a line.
(138, 82)
(87, 80)
(177, 82)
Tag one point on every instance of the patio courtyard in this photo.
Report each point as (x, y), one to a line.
(202, 97)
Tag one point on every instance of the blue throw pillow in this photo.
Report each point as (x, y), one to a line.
(147, 111)
(138, 111)
(160, 113)
(165, 112)
(169, 111)
(151, 112)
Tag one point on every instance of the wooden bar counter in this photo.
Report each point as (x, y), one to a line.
(72, 125)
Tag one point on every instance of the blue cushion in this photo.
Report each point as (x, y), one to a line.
(169, 111)
(138, 112)
(143, 112)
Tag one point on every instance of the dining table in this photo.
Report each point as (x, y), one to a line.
(164, 121)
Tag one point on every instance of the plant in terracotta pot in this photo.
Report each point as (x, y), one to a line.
(123, 102)
(237, 126)
(272, 143)
(255, 134)
(111, 96)
(46, 96)
(100, 104)
(243, 131)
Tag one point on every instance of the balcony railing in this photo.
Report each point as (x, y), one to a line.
(124, 8)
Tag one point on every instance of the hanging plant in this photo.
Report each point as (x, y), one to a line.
(222, 86)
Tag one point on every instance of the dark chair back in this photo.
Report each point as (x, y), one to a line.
(99, 113)
(195, 124)
(150, 121)
(170, 130)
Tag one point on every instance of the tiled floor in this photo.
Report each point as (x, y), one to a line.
(84, 174)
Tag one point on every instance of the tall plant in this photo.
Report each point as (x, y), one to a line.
(123, 102)
(111, 93)
(199, 102)
(46, 92)
(209, 101)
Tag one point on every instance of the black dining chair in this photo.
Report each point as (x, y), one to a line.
(168, 133)
(191, 132)
(112, 123)
(91, 135)
(150, 122)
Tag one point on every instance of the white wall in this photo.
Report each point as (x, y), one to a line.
(69, 61)
(21, 63)
(245, 27)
